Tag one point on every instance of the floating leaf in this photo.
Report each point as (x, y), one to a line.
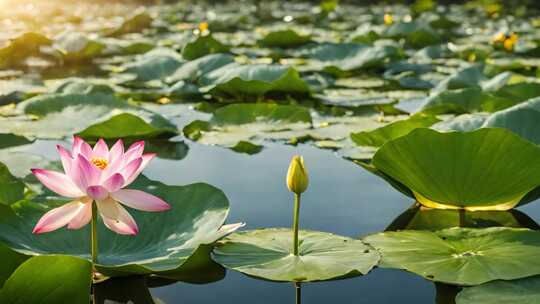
(49, 279)
(516, 291)
(202, 46)
(154, 65)
(340, 57)
(234, 125)
(488, 169)
(10, 261)
(11, 188)
(259, 79)
(378, 137)
(284, 39)
(76, 46)
(467, 100)
(521, 119)
(166, 241)
(92, 115)
(135, 23)
(267, 254)
(192, 70)
(461, 256)
(418, 34)
(20, 48)
(12, 140)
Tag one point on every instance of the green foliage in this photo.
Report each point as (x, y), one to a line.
(267, 254)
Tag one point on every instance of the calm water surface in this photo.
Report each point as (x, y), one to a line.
(342, 198)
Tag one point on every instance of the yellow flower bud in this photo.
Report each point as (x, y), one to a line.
(203, 26)
(297, 176)
(499, 37)
(388, 19)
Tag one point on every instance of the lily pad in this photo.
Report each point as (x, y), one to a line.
(378, 137)
(166, 239)
(235, 125)
(344, 57)
(51, 279)
(461, 256)
(418, 34)
(467, 100)
(258, 79)
(287, 38)
(11, 188)
(153, 66)
(521, 119)
(202, 46)
(267, 254)
(20, 48)
(91, 115)
(134, 23)
(77, 46)
(516, 291)
(11, 140)
(10, 262)
(191, 71)
(487, 169)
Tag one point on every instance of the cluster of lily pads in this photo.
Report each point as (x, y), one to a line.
(442, 102)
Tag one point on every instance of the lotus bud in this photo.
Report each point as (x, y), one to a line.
(388, 19)
(297, 176)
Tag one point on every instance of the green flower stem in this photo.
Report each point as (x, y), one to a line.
(94, 235)
(295, 222)
(298, 292)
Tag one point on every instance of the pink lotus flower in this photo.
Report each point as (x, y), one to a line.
(99, 175)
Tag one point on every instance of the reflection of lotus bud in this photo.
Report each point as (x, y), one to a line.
(297, 177)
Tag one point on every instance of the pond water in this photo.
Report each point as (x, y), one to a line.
(208, 85)
(342, 198)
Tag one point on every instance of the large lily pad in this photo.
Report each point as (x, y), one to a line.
(488, 169)
(49, 279)
(91, 115)
(165, 242)
(267, 254)
(258, 79)
(516, 291)
(461, 256)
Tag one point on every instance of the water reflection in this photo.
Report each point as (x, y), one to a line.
(198, 269)
(422, 218)
(132, 289)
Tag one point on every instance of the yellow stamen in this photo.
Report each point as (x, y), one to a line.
(99, 162)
